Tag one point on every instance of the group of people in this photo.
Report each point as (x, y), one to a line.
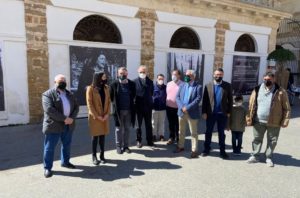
(141, 99)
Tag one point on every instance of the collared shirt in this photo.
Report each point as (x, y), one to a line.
(66, 103)
(188, 94)
(172, 89)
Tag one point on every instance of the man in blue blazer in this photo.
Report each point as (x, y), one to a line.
(188, 99)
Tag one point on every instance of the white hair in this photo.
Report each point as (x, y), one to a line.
(191, 72)
(59, 76)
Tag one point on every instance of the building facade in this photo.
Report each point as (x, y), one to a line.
(39, 39)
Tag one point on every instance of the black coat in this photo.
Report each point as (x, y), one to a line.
(114, 89)
(144, 93)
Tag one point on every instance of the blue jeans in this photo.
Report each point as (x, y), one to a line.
(221, 120)
(237, 140)
(50, 143)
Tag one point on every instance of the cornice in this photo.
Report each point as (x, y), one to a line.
(243, 8)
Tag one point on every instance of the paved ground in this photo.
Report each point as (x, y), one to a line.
(147, 172)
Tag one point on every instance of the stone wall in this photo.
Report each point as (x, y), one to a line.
(148, 18)
(221, 27)
(37, 55)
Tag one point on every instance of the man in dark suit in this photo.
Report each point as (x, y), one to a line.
(216, 107)
(122, 95)
(143, 104)
(60, 111)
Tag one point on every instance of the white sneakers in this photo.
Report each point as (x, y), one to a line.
(252, 160)
(269, 162)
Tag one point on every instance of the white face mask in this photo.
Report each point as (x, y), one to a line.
(160, 82)
(174, 78)
(143, 76)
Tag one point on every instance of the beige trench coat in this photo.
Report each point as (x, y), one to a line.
(95, 109)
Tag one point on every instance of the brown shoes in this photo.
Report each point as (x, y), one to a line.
(194, 155)
(178, 150)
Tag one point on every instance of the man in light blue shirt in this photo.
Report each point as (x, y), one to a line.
(188, 99)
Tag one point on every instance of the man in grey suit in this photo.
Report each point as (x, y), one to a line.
(60, 111)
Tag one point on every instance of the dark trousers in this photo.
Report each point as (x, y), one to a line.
(221, 120)
(50, 143)
(173, 122)
(237, 140)
(145, 115)
(95, 140)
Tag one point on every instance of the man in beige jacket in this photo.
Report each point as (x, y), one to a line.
(269, 110)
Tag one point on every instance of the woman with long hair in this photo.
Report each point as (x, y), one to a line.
(98, 104)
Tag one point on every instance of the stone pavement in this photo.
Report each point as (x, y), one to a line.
(147, 172)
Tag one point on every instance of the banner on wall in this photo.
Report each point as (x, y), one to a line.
(245, 72)
(84, 61)
(185, 61)
(2, 104)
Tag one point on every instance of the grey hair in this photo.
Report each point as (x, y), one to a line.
(191, 71)
(58, 76)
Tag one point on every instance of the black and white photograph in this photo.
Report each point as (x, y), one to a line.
(245, 72)
(85, 61)
(185, 61)
(2, 104)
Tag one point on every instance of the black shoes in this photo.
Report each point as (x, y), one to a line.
(139, 144)
(151, 144)
(126, 150)
(119, 150)
(154, 138)
(68, 165)
(224, 155)
(95, 160)
(102, 159)
(48, 173)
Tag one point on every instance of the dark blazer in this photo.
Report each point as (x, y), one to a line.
(159, 97)
(114, 89)
(54, 113)
(194, 100)
(208, 98)
(144, 93)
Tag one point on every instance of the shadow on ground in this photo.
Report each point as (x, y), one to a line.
(118, 169)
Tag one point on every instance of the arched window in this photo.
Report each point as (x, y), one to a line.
(185, 38)
(98, 29)
(245, 43)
